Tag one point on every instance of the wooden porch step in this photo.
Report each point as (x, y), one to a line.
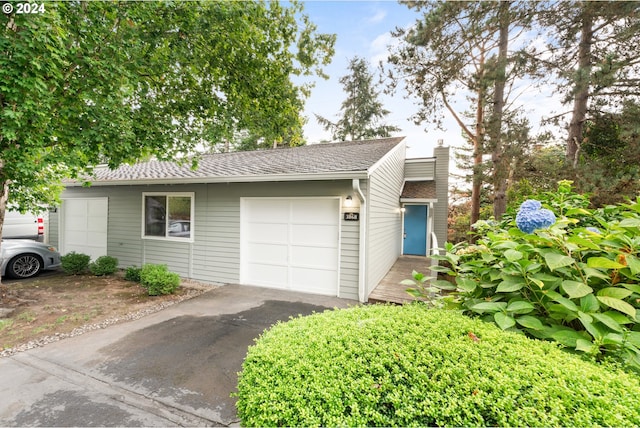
(389, 290)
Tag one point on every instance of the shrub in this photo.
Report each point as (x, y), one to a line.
(104, 265)
(74, 263)
(157, 279)
(132, 273)
(413, 366)
(576, 282)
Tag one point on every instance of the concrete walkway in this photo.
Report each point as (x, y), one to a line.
(176, 367)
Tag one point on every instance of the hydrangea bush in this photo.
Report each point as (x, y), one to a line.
(532, 216)
(576, 281)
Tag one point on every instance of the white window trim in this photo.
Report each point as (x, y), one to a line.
(191, 195)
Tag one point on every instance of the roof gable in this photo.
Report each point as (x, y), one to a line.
(305, 162)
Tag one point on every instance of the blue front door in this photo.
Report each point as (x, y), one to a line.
(415, 230)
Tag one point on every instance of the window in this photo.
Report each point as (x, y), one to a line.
(167, 215)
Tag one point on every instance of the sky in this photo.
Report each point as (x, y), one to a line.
(363, 28)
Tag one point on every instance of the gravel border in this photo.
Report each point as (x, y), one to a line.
(193, 289)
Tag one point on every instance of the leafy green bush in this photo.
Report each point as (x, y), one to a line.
(572, 283)
(132, 273)
(104, 265)
(157, 279)
(413, 366)
(74, 263)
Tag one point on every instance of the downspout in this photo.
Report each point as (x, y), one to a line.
(433, 240)
(362, 259)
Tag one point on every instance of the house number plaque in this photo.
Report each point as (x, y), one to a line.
(351, 216)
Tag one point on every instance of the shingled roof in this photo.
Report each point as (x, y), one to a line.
(315, 161)
(419, 190)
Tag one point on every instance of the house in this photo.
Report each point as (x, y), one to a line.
(324, 218)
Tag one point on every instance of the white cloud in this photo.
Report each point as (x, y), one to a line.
(379, 16)
(379, 47)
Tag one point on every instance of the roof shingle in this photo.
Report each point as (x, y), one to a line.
(352, 156)
(419, 190)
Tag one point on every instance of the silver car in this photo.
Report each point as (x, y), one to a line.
(24, 258)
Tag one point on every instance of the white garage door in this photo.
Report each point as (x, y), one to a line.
(84, 226)
(290, 243)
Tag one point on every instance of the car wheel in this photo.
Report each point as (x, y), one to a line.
(24, 266)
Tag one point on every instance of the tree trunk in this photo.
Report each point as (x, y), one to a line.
(4, 196)
(478, 143)
(581, 87)
(500, 168)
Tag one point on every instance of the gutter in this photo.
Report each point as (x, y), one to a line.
(362, 260)
(355, 175)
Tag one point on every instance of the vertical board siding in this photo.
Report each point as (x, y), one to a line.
(385, 226)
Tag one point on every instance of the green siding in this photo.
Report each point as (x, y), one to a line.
(52, 231)
(214, 256)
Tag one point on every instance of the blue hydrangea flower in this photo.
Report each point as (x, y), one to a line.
(530, 205)
(532, 216)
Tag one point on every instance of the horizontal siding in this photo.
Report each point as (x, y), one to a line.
(349, 260)
(124, 227)
(176, 255)
(441, 208)
(425, 168)
(385, 225)
(214, 256)
(53, 229)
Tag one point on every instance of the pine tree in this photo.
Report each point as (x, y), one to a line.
(362, 113)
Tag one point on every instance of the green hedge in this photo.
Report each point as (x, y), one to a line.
(104, 265)
(408, 366)
(158, 280)
(75, 263)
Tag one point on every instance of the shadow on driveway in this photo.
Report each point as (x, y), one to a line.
(176, 367)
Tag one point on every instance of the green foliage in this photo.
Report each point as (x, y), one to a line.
(362, 111)
(132, 273)
(610, 163)
(570, 283)
(75, 263)
(109, 82)
(103, 265)
(158, 280)
(413, 366)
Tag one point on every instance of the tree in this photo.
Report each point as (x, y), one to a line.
(462, 47)
(494, 128)
(593, 57)
(362, 112)
(609, 167)
(83, 83)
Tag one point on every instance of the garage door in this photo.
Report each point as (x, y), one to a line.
(84, 226)
(290, 243)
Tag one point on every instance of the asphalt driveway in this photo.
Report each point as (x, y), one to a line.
(176, 367)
